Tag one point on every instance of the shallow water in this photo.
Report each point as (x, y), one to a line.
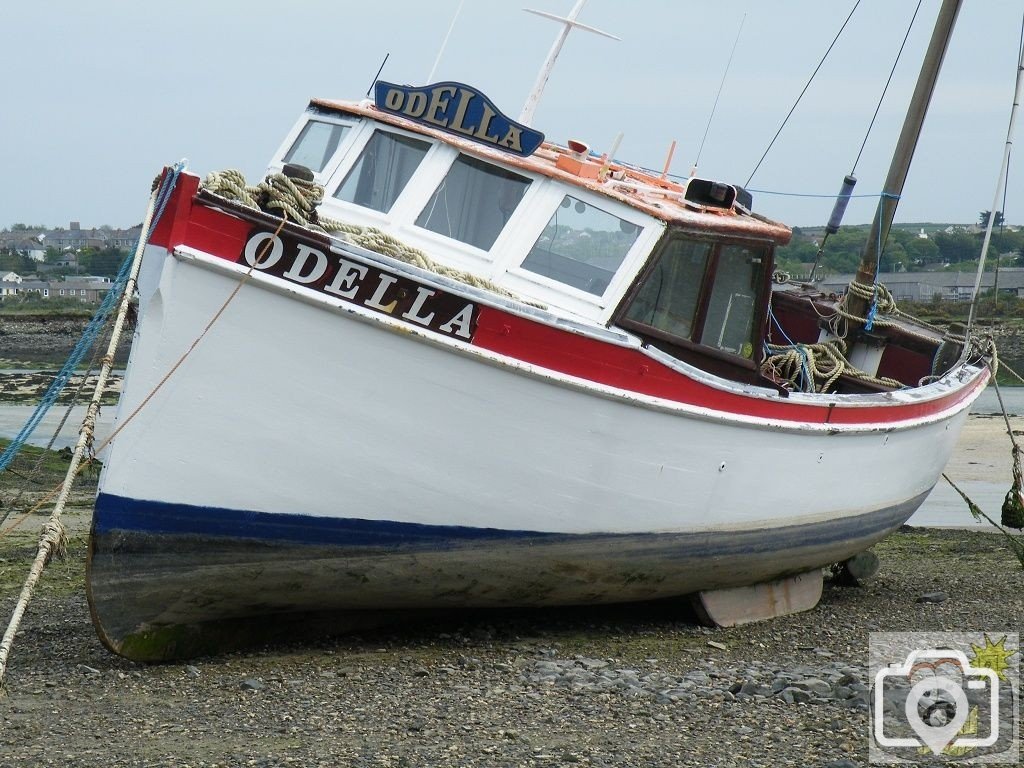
(14, 417)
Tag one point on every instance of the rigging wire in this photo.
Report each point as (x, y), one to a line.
(1006, 181)
(806, 86)
(1003, 172)
(721, 86)
(846, 191)
(888, 82)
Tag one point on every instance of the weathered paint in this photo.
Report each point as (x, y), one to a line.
(164, 595)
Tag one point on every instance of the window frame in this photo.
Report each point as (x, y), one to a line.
(354, 124)
(707, 285)
(432, 172)
(497, 245)
(355, 152)
(550, 194)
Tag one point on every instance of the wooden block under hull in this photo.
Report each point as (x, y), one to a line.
(742, 605)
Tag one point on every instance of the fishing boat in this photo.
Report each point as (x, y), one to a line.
(436, 361)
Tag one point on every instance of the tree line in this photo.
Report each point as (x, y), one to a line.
(905, 251)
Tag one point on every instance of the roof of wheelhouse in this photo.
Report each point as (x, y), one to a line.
(661, 198)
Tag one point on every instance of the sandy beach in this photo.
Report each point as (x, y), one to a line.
(623, 686)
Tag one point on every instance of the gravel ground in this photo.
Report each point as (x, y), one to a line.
(640, 685)
(623, 686)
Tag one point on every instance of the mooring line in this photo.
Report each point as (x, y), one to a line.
(54, 538)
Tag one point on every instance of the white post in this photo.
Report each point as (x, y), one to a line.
(568, 23)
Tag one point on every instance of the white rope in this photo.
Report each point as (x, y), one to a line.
(299, 199)
(885, 305)
(815, 367)
(53, 538)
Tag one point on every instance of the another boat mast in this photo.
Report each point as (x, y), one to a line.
(867, 273)
(568, 22)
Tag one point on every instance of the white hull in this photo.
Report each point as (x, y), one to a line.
(287, 406)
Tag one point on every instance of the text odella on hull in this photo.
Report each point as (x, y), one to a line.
(519, 374)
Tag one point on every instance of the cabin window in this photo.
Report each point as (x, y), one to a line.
(730, 316)
(701, 291)
(581, 246)
(474, 202)
(316, 144)
(669, 297)
(383, 169)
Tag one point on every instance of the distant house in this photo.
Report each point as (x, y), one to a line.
(74, 238)
(90, 290)
(10, 277)
(40, 287)
(32, 248)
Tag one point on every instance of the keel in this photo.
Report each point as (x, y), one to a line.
(768, 600)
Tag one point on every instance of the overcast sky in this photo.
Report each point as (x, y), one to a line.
(97, 96)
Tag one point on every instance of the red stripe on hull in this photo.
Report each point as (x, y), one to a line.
(220, 234)
(631, 370)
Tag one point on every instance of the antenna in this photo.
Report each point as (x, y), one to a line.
(568, 23)
(714, 107)
(381, 69)
(444, 43)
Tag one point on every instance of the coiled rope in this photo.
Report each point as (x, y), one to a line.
(815, 367)
(53, 540)
(299, 199)
(883, 307)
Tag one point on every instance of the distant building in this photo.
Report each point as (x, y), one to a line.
(89, 290)
(32, 248)
(74, 238)
(924, 286)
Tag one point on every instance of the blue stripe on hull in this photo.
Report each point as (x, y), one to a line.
(117, 513)
(211, 524)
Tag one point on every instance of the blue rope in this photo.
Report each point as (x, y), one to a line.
(807, 384)
(869, 321)
(91, 332)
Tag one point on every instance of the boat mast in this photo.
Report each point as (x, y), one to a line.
(867, 273)
(568, 23)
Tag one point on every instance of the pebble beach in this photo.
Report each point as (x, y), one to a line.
(640, 685)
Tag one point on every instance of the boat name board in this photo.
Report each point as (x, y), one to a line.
(459, 109)
(358, 283)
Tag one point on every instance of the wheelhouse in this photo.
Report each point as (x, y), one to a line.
(590, 239)
(702, 298)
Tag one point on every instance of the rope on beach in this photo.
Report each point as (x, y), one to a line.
(31, 475)
(1016, 544)
(1013, 504)
(1012, 513)
(60, 381)
(53, 538)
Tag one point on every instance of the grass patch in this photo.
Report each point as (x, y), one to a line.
(48, 308)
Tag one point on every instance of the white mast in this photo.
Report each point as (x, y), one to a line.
(568, 23)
